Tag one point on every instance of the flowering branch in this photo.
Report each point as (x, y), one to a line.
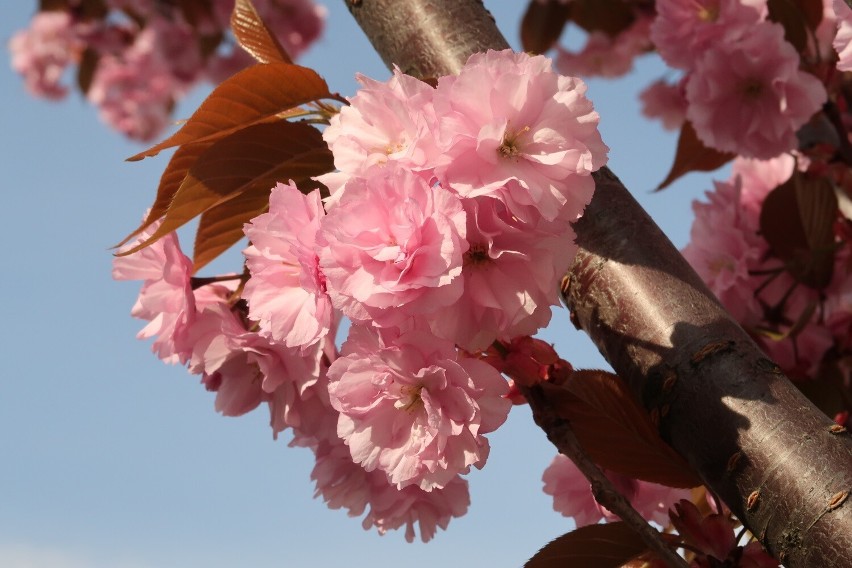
(756, 441)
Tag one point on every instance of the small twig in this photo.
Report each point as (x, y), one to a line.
(561, 435)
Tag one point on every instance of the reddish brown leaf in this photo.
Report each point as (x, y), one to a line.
(86, 69)
(799, 18)
(615, 431)
(828, 393)
(543, 24)
(170, 181)
(594, 546)
(797, 220)
(251, 160)
(693, 156)
(222, 226)
(608, 16)
(252, 96)
(254, 35)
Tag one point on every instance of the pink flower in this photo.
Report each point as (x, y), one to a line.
(135, 91)
(685, 29)
(511, 277)
(344, 484)
(393, 247)
(606, 56)
(166, 299)
(392, 508)
(412, 408)
(286, 292)
(666, 102)
(843, 40)
(341, 482)
(385, 122)
(758, 178)
(43, 52)
(246, 369)
(724, 246)
(749, 97)
(513, 129)
(572, 494)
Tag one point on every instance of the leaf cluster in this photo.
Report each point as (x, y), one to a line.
(241, 141)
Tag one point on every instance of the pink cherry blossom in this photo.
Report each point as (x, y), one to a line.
(44, 51)
(572, 494)
(246, 369)
(666, 102)
(513, 129)
(411, 407)
(749, 97)
(344, 484)
(385, 122)
(392, 508)
(843, 40)
(135, 91)
(286, 292)
(685, 29)
(724, 246)
(757, 179)
(511, 277)
(393, 247)
(166, 300)
(604, 55)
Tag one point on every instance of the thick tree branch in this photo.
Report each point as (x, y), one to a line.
(755, 440)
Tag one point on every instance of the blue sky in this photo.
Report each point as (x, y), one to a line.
(110, 459)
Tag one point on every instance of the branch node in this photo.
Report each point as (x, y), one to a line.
(733, 462)
(751, 502)
(711, 349)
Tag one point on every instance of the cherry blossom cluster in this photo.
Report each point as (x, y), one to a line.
(142, 57)
(446, 228)
(744, 88)
(802, 327)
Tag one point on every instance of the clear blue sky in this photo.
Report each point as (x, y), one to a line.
(110, 459)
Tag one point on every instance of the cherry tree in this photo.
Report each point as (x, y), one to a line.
(444, 211)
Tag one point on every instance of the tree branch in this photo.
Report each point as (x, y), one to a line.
(755, 440)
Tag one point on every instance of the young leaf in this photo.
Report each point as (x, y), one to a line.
(170, 181)
(543, 24)
(797, 220)
(594, 546)
(222, 226)
(252, 96)
(693, 156)
(249, 161)
(615, 431)
(254, 35)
